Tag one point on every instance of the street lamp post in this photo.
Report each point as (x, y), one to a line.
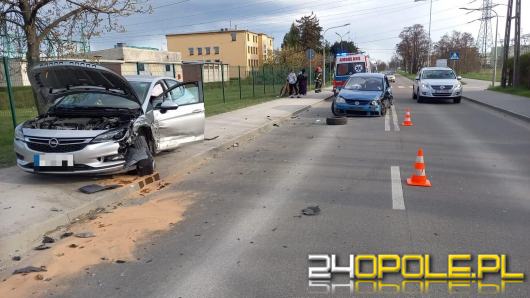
(430, 18)
(324, 53)
(340, 36)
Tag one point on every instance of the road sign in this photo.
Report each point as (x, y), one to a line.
(310, 54)
(454, 56)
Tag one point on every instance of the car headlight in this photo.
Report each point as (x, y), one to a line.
(374, 103)
(19, 135)
(340, 99)
(458, 86)
(425, 85)
(113, 135)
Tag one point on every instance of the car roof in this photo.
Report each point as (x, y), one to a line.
(146, 78)
(368, 74)
(436, 68)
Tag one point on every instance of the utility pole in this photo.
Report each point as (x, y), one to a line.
(517, 43)
(504, 78)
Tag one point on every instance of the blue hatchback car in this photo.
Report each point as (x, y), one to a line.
(364, 94)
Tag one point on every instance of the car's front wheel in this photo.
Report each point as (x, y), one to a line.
(145, 166)
(333, 109)
(414, 96)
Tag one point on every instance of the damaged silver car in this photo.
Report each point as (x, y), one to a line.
(100, 122)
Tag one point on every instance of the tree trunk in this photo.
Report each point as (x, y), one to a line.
(32, 58)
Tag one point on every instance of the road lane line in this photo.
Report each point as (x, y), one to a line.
(397, 191)
(387, 122)
(395, 118)
(401, 87)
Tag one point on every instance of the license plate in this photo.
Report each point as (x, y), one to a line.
(53, 160)
(443, 92)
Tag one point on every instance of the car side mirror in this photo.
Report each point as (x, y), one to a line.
(459, 78)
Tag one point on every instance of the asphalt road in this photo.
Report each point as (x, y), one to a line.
(244, 237)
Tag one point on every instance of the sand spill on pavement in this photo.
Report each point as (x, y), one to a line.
(116, 236)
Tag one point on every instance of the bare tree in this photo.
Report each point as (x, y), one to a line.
(462, 43)
(51, 25)
(413, 47)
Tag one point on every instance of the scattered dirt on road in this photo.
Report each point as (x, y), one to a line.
(116, 236)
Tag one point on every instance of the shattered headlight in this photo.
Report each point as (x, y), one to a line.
(112, 135)
(374, 103)
(19, 135)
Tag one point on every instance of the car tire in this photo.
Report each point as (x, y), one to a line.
(414, 96)
(420, 98)
(384, 110)
(457, 99)
(145, 166)
(336, 120)
(333, 109)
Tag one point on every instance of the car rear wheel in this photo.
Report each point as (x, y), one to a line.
(457, 99)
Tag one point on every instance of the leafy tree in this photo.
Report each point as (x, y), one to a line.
(344, 47)
(310, 32)
(292, 38)
(53, 24)
(462, 43)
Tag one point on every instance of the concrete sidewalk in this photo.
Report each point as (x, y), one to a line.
(31, 205)
(517, 106)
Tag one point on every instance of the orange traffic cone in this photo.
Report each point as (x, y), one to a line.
(419, 178)
(407, 121)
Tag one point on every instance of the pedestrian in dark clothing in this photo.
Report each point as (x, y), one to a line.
(302, 82)
(318, 79)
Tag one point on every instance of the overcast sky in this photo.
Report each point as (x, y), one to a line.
(375, 24)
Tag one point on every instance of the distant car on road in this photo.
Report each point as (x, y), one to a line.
(364, 94)
(391, 77)
(437, 83)
(102, 123)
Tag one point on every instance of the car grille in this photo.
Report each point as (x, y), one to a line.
(361, 102)
(76, 167)
(439, 87)
(63, 145)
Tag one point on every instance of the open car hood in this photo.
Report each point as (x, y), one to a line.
(54, 79)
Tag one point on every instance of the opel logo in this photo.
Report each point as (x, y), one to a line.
(53, 143)
(356, 103)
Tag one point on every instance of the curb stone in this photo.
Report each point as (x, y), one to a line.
(508, 112)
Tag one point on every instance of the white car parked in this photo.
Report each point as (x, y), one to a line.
(437, 83)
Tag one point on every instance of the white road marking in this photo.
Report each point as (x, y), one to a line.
(387, 122)
(395, 118)
(401, 87)
(398, 203)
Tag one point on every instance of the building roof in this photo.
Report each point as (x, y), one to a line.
(222, 30)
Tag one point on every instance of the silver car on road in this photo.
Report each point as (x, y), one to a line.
(437, 83)
(100, 122)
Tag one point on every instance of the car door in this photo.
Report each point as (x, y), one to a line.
(180, 116)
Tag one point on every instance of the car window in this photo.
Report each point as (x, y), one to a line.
(183, 95)
(438, 74)
(140, 88)
(96, 100)
(364, 84)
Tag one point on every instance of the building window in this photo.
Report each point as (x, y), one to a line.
(234, 35)
(217, 60)
(199, 51)
(207, 50)
(216, 50)
(191, 51)
(208, 60)
(140, 66)
(248, 37)
(168, 67)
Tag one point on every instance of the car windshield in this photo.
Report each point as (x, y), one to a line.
(96, 100)
(438, 74)
(140, 88)
(364, 84)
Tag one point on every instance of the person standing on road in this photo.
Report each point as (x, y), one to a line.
(302, 83)
(291, 79)
(318, 79)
